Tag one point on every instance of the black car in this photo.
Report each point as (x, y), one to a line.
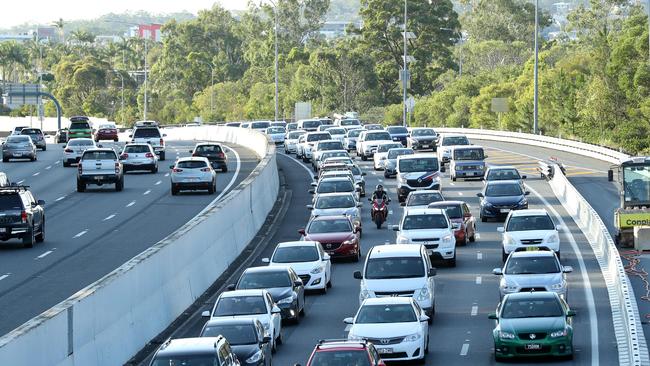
(214, 153)
(284, 285)
(246, 338)
(61, 136)
(499, 197)
(422, 138)
(21, 216)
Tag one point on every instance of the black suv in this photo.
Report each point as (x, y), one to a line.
(21, 216)
(213, 351)
(214, 153)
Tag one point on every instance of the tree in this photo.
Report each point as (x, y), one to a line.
(59, 24)
(13, 57)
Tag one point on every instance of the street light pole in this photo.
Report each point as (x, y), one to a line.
(275, 27)
(122, 101)
(145, 79)
(536, 92)
(405, 74)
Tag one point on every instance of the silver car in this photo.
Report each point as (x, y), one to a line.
(37, 137)
(390, 164)
(139, 157)
(276, 134)
(18, 147)
(350, 139)
(291, 141)
(528, 270)
(73, 150)
(193, 173)
(336, 204)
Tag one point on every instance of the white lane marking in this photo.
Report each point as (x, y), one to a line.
(347, 327)
(452, 183)
(80, 234)
(380, 180)
(479, 256)
(158, 182)
(477, 235)
(48, 167)
(166, 174)
(464, 349)
(390, 212)
(460, 193)
(44, 254)
(36, 174)
(591, 304)
(474, 310)
(4, 276)
(20, 181)
(59, 199)
(479, 280)
(108, 217)
(56, 162)
(146, 192)
(131, 204)
(232, 180)
(373, 173)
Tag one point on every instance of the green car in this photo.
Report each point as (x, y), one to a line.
(532, 324)
(80, 128)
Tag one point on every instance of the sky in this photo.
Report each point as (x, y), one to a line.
(47, 11)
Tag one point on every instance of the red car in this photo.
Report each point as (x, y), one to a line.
(106, 132)
(342, 352)
(459, 213)
(337, 234)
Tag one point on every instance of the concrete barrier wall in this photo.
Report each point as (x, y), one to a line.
(113, 318)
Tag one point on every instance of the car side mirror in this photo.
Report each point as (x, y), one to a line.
(432, 272)
(231, 287)
(100, 146)
(526, 193)
(310, 207)
(497, 271)
(164, 135)
(130, 136)
(571, 313)
(298, 283)
(567, 269)
(63, 147)
(523, 177)
(191, 151)
(205, 314)
(312, 191)
(501, 229)
(493, 316)
(348, 320)
(364, 174)
(359, 205)
(275, 310)
(443, 169)
(610, 175)
(480, 195)
(424, 318)
(326, 257)
(171, 167)
(395, 227)
(301, 232)
(315, 177)
(266, 339)
(266, 260)
(41, 202)
(455, 226)
(357, 275)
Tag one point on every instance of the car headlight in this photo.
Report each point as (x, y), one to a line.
(348, 242)
(447, 238)
(510, 287)
(423, 294)
(506, 335)
(559, 333)
(509, 240)
(486, 204)
(286, 300)
(354, 337)
(558, 286)
(402, 239)
(522, 202)
(256, 357)
(317, 270)
(412, 337)
(554, 238)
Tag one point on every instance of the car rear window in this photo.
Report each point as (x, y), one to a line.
(347, 357)
(318, 136)
(31, 131)
(99, 155)
(79, 125)
(208, 149)
(260, 125)
(377, 136)
(106, 127)
(137, 149)
(311, 124)
(75, 142)
(146, 132)
(192, 164)
(10, 201)
(18, 139)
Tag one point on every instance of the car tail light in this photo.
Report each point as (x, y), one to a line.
(176, 170)
(220, 155)
(69, 150)
(205, 169)
(23, 216)
(117, 168)
(148, 155)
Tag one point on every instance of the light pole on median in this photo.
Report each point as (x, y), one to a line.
(122, 101)
(275, 62)
(211, 89)
(405, 76)
(536, 72)
(145, 79)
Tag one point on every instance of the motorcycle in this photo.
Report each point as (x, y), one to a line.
(379, 211)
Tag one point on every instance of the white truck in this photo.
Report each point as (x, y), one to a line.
(100, 166)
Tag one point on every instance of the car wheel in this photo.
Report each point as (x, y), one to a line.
(483, 218)
(44, 148)
(279, 340)
(453, 178)
(154, 170)
(5, 160)
(40, 237)
(162, 156)
(504, 255)
(329, 283)
(497, 358)
(452, 262)
(224, 169)
(473, 237)
(212, 188)
(358, 256)
(304, 159)
(29, 239)
(364, 158)
(66, 164)
(426, 346)
(323, 291)
(115, 139)
(386, 175)
(119, 185)
(174, 191)
(81, 186)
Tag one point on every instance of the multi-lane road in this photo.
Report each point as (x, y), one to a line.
(90, 234)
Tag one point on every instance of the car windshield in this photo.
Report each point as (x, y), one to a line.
(276, 130)
(385, 147)
(146, 132)
(137, 149)
(423, 132)
(528, 223)
(79, 126)
(334, 154)
(335, 186)
(397, 130)
(236, 335)
(377, 136)
(395, 313)
(18, 139)
(355, 170)
(106, 127)
(531, 308)
(336, 131)
(350, 122)
(532, 265)
(318, 137)
(330, 226)
(399, 267)
(311, 124)
(394, 153)
(260, 125)
(266, 279)
(503, 174)
(326, 202)
(296, 254)
(354, 133)
(424, 199)
(31, 131)
(330, 145)
(455, 140)
(425, 221)
(340, 357)
(453, 211)
(418, 165)
(468, 154)
(295, 135)
(10, 201)
(503, 190)
(187, 360)
(240, 305)
(208, 149)
(191, 164)
(99, 155)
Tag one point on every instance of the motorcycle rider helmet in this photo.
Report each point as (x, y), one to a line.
(379, 187)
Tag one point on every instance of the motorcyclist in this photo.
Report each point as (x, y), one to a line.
(380, 194)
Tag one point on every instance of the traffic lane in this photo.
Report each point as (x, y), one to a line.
(88, 246)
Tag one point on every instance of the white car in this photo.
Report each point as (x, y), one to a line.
(147, 132)
(338, 133)
(369, 141)
(139, 157)
(311, 138)
(308, 260)
(416, 173)
(276, 134)
(336, 204)
(398, 270)
(397, 327)
(325, 145)
(257, 304)
(193, 173)
(382, 154)
(432, 228)
(350, 139)
(73, 150)
(291, 141)
(530, 227)
(445, 144)
(421, 199)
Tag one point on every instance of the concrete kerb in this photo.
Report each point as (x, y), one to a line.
(108, 321)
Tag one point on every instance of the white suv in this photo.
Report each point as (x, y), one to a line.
(147, 132)
(308, 260)
(432, 228)
(529, 228)
(368, 142)
(398, 270)
(417, 172)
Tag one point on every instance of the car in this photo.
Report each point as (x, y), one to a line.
(322, 156)
(138, 157)
(193, 173)
(399, 270)
(422, 138)
(291, 141)
(106, 131)
(349, 123)
(503, 172)
(80, 128)
(279, 124)
(323, 128)
(308, 259)
(99, 166)
(147, 132)
(529, 227)
(373, 127)
(18, 147)
(498, 198)
(326, 121)
(73, 150)
(350, 139)
(246, 337)
(282, 282)
(61, 136)
(311, 138)
(368, 142)
(260, 126)
(467, 162)
(4, 180)
(390, 164)
(421, 199)
(276, 134)
(445, 144)
(358, 179)
(244, 125)
(532, 324)
(350, 171)
(17, 129)
(338, 235)
(324, 145)
(338, 133)
(333, 185)
(192, 124)
(309, 125)
(37, 137)
(23, 217)
(214, 153)
(432, 228)
(379, 158)
(528, 270)
(293, 126)
(300, 146)
(397, 326)
(344, 352)
(398, 134)
(257, 304)
(195, 351)
(233, 124)
(417, 172)
(459, 213)
(337, 204)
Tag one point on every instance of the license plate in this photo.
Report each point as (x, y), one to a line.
(18, 154)
(385, 350)
(533, 347)
(99, 177)
(191, 179)
(505, 210)
(474, 173)
(425, 146)
(3, 230)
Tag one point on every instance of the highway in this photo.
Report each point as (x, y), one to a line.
(90, 234)
(461, 332)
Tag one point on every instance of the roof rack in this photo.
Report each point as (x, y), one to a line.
(363, 342)
(14, 187)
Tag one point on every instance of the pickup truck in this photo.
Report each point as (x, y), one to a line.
(99, 166)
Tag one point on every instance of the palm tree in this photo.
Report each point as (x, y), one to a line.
(59, 25)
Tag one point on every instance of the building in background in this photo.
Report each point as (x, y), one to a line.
(148, 31)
